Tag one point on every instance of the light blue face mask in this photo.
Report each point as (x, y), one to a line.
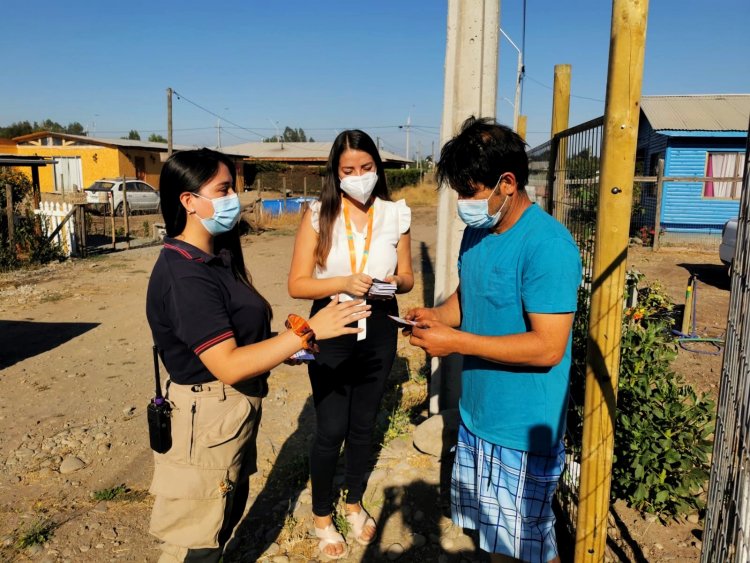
(475, 212)
(226, 214)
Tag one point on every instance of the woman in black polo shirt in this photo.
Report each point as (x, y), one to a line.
(212, 329)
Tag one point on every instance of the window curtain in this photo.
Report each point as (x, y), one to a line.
(723, 165)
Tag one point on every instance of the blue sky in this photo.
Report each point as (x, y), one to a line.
(330, 65)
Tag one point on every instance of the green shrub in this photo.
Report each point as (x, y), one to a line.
(663, 435)
(28, 246)
(663, 429)
(398, 178)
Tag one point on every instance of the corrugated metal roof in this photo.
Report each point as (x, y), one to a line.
(702, 112)
(124, 143)
(316, 150)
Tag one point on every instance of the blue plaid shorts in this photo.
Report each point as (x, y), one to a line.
(506, 495)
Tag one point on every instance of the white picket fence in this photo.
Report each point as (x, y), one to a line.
(52, 214)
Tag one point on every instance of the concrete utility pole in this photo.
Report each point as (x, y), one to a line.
(471, 57)
(625, 75)
(169, 122)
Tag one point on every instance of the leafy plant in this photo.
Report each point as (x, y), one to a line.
(398, 424)
(38, 533)
(110, 493)
(398, 178)
(663, 431)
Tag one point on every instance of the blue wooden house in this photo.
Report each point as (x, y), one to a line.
(701, 136)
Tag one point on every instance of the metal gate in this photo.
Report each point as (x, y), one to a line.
(727, 532)
(565, 175)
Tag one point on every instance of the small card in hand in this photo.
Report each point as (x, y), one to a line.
(381, 290)
(401, 321)
(302, 356)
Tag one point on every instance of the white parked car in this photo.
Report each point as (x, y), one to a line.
(141, 196)
(728, 242)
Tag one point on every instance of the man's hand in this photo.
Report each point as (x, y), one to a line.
(435, 338)
(418, 314)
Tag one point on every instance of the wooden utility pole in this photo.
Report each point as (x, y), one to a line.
(622, 108)
(521, 127)
(659, 199)
(560, 112)
(169, 122)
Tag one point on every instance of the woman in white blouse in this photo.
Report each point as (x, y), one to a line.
(353, 235)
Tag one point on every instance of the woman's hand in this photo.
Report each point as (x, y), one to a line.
(393, 279)
(357, 284)
(332, 319)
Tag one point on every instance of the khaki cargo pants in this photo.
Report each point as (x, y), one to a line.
(201, 484)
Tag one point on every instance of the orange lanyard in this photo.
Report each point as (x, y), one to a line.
(350, 237)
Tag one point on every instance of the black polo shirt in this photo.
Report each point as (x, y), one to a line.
(194, 302)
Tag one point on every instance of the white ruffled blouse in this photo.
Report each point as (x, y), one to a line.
(391, 219)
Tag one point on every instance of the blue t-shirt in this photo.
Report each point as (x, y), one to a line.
(534, 267)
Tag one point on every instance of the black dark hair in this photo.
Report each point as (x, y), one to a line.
(189, 171)
(330, 195)
(482, 152)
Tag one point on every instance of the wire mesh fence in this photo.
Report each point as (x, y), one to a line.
(570, 181)
(727, 531)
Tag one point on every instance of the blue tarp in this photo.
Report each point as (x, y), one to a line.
(288, 205)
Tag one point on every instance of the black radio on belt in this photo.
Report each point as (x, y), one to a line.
(159, 414)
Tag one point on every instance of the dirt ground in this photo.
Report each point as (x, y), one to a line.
(75, 355)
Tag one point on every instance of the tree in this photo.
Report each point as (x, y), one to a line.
(154, 138)
(75, 128)
(291, 136)
(133, 136)
(25, 127)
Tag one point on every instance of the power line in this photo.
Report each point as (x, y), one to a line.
(572, 95)
(181, 97)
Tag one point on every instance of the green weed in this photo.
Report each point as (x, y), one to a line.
(37, 534)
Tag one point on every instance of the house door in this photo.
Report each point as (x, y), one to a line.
(68, 174)
(140, 167)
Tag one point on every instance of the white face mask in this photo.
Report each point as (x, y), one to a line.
(359, 187)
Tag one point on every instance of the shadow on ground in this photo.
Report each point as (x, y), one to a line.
(20, 340)
(714, 275)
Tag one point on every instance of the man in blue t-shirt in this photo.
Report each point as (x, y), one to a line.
(511, 319)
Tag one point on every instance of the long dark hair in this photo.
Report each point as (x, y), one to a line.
(189, 171)
(330, 195)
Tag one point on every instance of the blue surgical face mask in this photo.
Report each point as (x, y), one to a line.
(226, 214)
(475, 212)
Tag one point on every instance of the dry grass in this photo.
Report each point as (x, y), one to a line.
(283, 223)
(423, 194)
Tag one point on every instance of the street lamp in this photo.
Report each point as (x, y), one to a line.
(519, 78)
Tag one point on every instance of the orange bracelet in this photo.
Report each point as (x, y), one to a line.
(301, 328)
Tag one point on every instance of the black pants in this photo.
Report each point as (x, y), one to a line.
(348, 379)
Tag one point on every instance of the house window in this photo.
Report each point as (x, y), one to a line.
(724, 165)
